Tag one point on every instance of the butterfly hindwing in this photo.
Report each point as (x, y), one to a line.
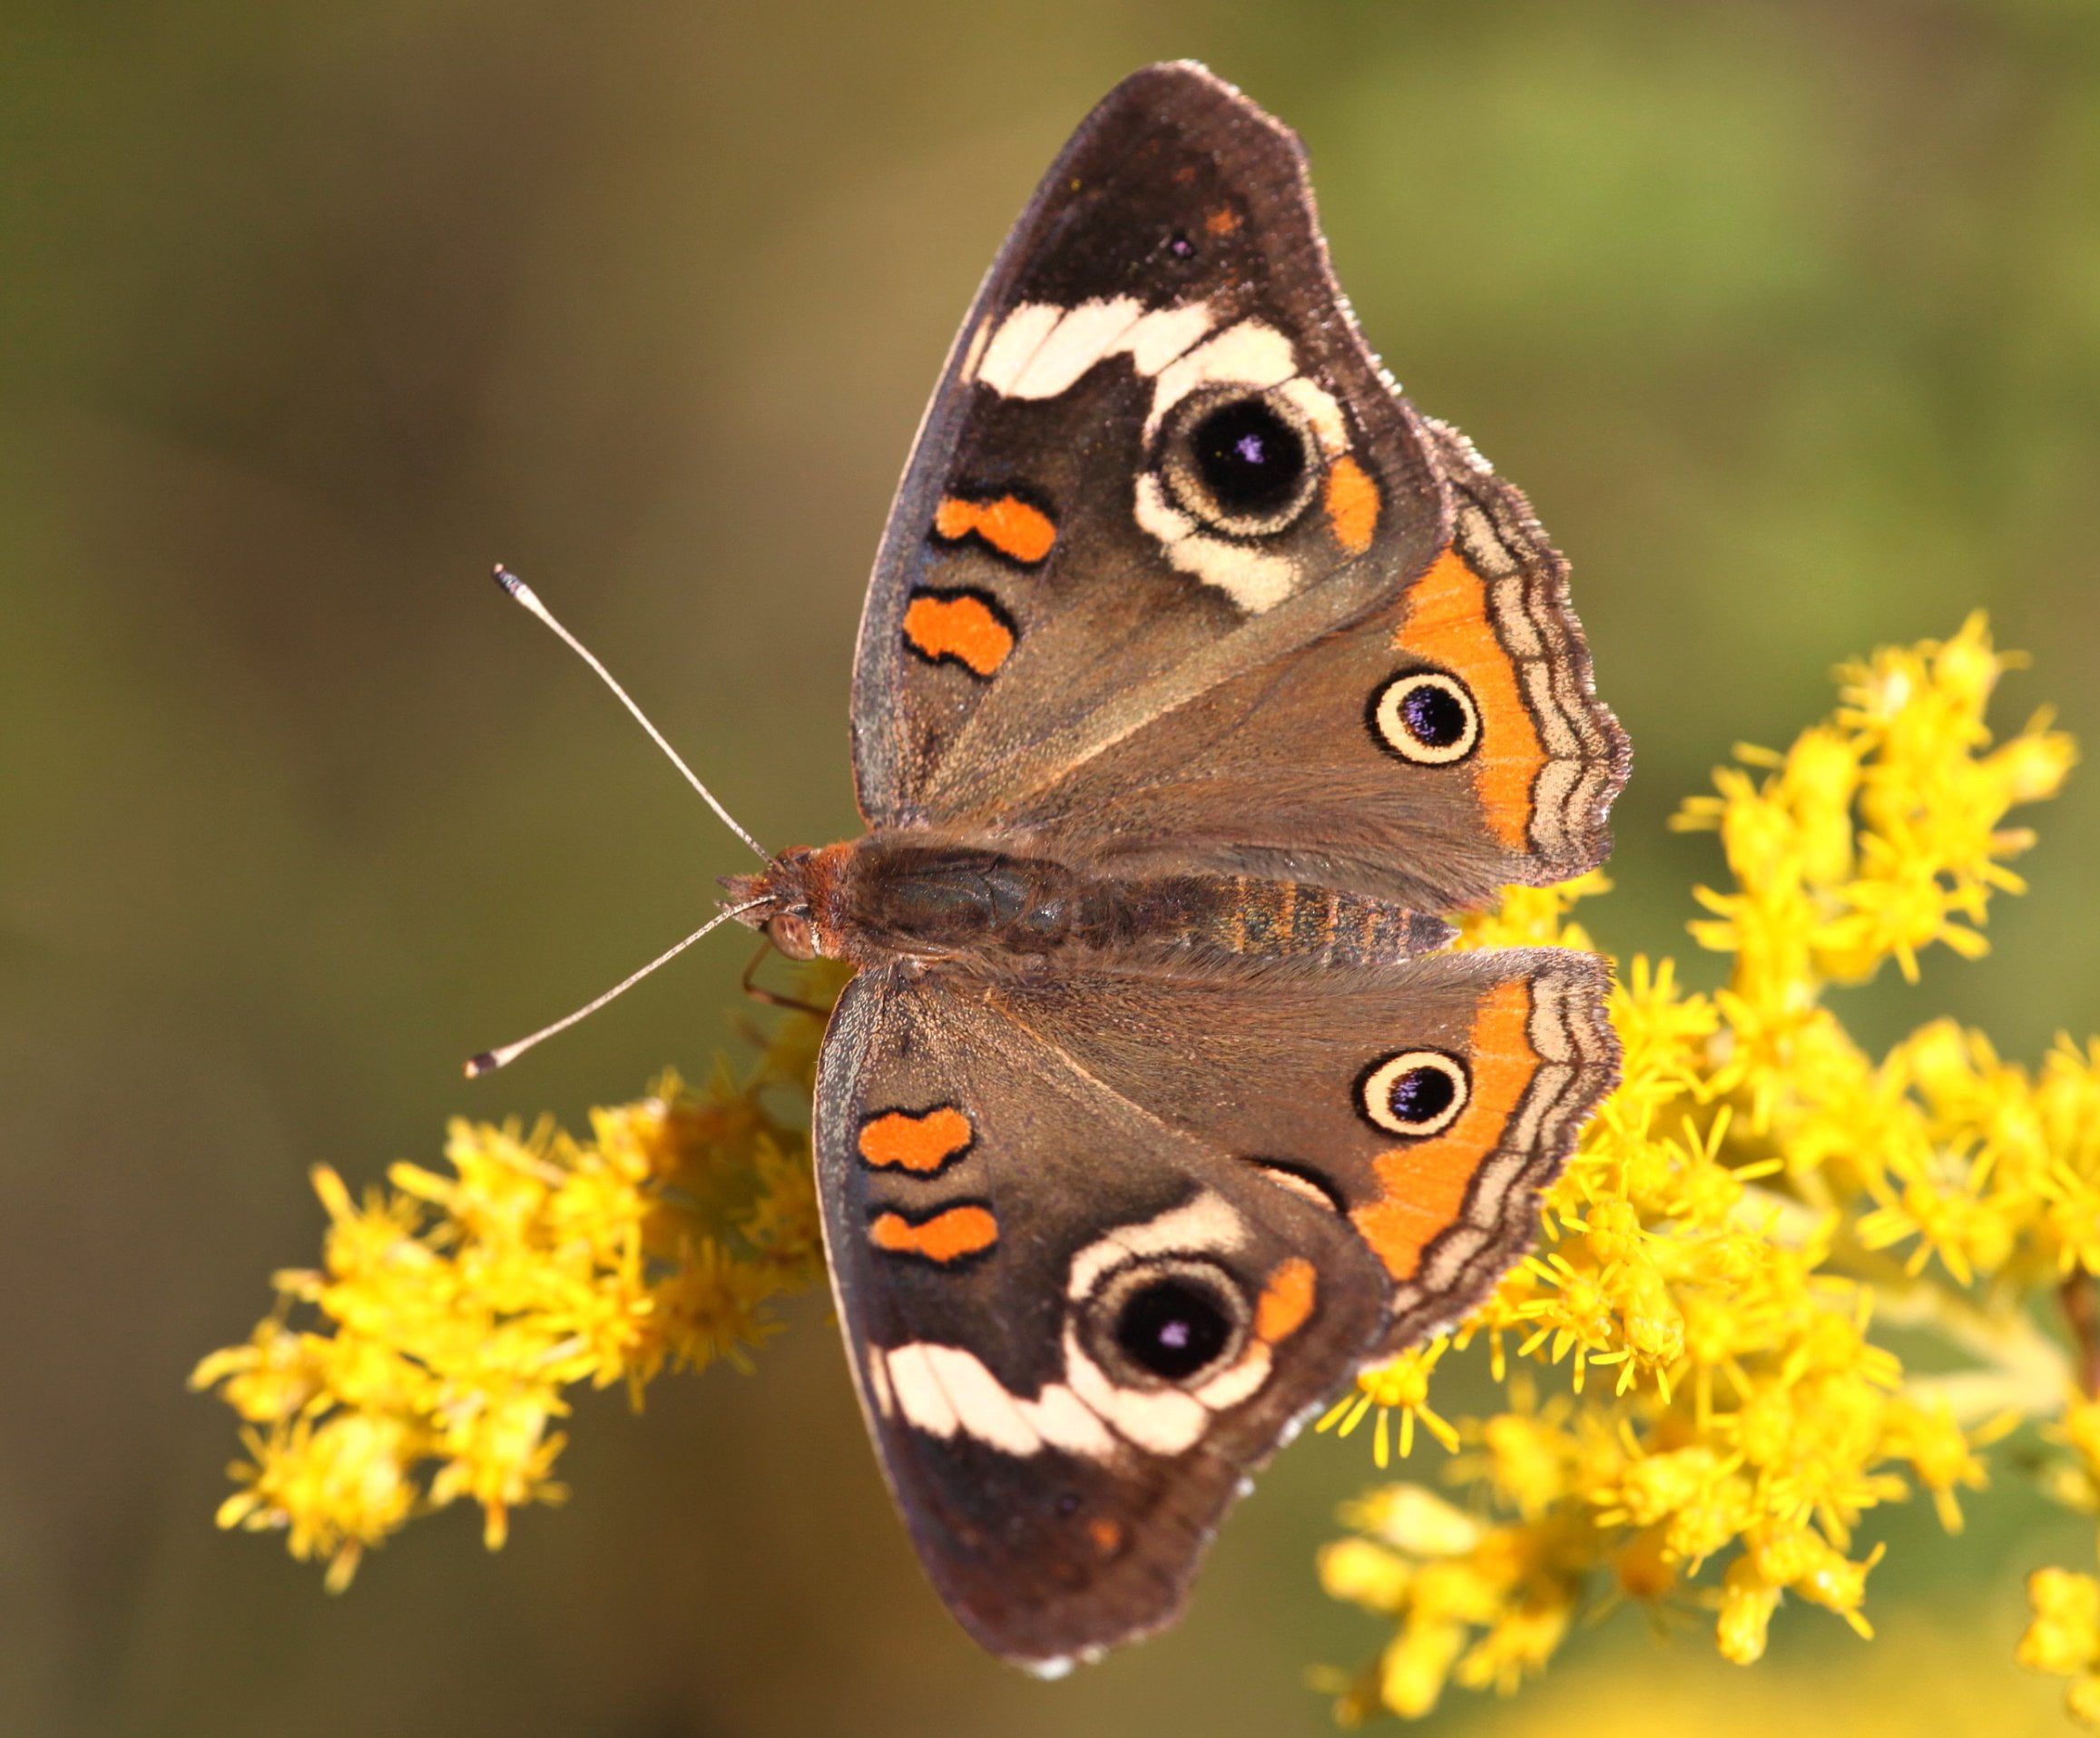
(1428, 1101)
(1446, 746)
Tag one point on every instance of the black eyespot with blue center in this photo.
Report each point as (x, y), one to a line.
(1421, 1095)
(1172, 1328)
(1242, 461)
(1414, 1092)
(1250, 459)
(1433, 717)
(1165, 1321)
(1425, 716)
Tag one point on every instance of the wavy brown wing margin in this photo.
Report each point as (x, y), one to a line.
(1569, 1027)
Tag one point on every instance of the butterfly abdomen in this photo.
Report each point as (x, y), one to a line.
(1246, 917)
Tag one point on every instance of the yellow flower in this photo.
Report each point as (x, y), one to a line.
(2064, 1636)
(452, 1311)
(1517, 1644)
(1417, 1520)
(1415, 1664)
(1365, 1574)
(2064, 1639)
(1716, 1241)
(1941, 1454)
(1747, 1602)
(1402, 1386)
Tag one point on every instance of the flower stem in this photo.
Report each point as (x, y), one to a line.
(2081, 1315)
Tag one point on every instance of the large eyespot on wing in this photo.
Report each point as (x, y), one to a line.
(1245, 463)
(1158, 427)
(1481, 1127)
(1414, 1093)
(1427, 717)
(1170, 1322)
(1252, 486)
(1076, 1330)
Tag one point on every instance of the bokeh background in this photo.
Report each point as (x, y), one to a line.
(1786, 314)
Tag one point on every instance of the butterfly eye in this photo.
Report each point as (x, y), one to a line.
(790, 932)
(1414, 1092)
(1426, 717)
(1166, 1322)
(1240, 461)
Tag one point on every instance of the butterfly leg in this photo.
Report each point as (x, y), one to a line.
(759, 993)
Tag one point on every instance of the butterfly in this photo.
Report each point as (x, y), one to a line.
(1200, 677)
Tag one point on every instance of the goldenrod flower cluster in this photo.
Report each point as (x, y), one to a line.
(1757, 1200)
(1697, 1409)
(426, 1362)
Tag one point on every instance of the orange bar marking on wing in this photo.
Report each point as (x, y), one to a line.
(1447, 623)
(1013, 528)
(921, 1143)
(1422, 1186)
(1286, 1300)
(963, 628)
(945, 1237)
(1352, 504)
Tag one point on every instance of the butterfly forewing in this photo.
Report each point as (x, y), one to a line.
(1158, 424)
(1075, 1326)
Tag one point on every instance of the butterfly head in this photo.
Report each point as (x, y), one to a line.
(790, 900)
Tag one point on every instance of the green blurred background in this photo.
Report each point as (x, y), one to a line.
(1786, 315)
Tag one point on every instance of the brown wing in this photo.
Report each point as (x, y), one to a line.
(1164, 478)
(1100, 1243)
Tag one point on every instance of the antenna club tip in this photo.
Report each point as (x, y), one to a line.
(509, 580)
(485, 1064)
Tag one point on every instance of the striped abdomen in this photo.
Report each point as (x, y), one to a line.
(1245, 917)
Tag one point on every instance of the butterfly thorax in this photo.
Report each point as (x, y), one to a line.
(895, 894)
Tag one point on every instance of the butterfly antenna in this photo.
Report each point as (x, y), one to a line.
(489, 1061)
(516, 587)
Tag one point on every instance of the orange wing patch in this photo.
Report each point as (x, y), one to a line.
(1352, 504)
(1008, 524)
(1422, 1185)
(924, 1141)
(1447, 623)
(948, 1236)
(961, 627)
(1286, 1300)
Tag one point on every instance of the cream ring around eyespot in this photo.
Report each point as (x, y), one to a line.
(1376, 1091)
(1391, 724)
